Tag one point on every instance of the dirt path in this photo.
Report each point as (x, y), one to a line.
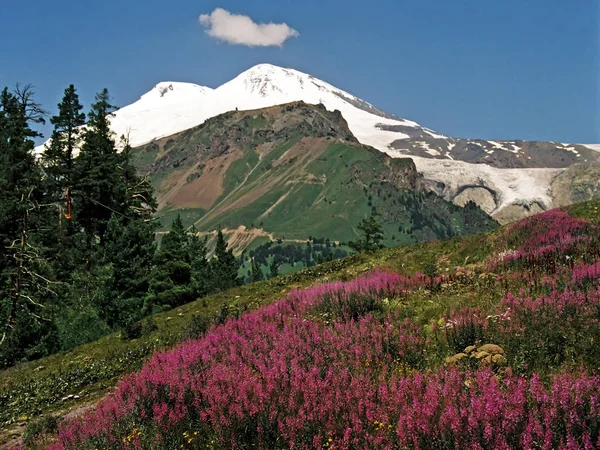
(12, 437)
(238, 238)
(274, 205)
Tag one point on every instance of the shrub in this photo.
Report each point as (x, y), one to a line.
(135, 330)
(131, 330)
(464, 328)
(37, 429)
(198, 326)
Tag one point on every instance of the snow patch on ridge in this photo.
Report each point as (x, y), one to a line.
(595, 147)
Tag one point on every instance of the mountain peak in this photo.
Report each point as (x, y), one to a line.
(267, 79)
(175, 91)
(265, 67)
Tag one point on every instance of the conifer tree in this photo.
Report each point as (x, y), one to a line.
(58, 154)
(98, 190)
(274, 268)
(19, 173)
(257, 274)
(25, 292)
(372, 236)
(129, 251)
(224, 266)
(171, 279)
(57, 160)
(139, 194)
(129, 246)
(174, 243)
(197, 249)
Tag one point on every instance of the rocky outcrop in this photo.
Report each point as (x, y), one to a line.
(578, 183)
(514, 154)
(486, 198)
(402, 173)
(238, 129)
(518, 210)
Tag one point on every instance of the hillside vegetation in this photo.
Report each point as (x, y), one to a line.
(295, 171)
(488, 341)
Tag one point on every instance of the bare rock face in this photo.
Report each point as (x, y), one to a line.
(402, 173)
(483, 197)
(517, 211)
(579, 183)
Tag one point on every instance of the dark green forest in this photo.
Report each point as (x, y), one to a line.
(265, 260)
(79, 256)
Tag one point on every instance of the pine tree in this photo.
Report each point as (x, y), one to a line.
(274, 268)
(98, 189)
(372, 236)
(171, 279)
(197, 250)
(128, 249)
(224, 266)
(257, 274)
(129, 245)
(19, 173)
(110, 291)
(139, 194)
(174, 243)
(58, 154)
(57, 161)
(25, 286)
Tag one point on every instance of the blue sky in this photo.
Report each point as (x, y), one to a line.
(502, 69)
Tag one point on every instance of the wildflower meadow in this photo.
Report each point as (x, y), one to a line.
(370, 364)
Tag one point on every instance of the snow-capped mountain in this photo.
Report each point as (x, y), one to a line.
(170, 107)
(496, 174)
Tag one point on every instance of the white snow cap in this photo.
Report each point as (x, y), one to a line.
(171, 107)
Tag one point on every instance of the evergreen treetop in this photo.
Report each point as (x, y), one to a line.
(98, 189)
(66, 135)
(372, 235)
(224, 266)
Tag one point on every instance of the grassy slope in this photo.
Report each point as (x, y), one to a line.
(586, 210)
(306, 209)
(331, 207)
(89, 371)
(315, 192)
(188, 217)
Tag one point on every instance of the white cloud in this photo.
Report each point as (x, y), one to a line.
(242, 30)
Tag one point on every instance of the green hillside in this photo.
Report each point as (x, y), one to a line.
(68, 381)
(295, 171)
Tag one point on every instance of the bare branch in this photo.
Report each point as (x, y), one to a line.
(32, 110)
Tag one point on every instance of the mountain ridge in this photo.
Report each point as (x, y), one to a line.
(295, 170)
(477, 165)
